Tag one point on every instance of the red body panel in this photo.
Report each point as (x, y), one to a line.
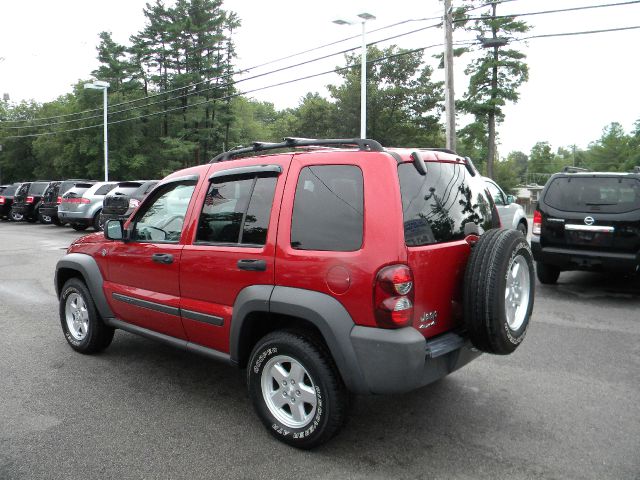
(383, 241)
(210, 278)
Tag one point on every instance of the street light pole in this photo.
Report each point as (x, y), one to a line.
(99, 85)
(363, 69)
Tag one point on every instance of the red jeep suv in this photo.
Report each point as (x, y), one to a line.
(337, 266)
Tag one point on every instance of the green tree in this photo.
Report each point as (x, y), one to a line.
(612, 151)
(403, 102)
(496, 75)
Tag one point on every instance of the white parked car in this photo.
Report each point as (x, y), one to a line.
(511, 214)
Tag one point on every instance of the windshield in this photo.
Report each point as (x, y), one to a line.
(594, 194)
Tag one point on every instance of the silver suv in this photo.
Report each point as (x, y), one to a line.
(511, 214)
(81, 205)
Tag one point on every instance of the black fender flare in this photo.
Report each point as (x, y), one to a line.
(323, 311)
(87, 267)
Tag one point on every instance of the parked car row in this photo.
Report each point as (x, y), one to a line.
(78, 202)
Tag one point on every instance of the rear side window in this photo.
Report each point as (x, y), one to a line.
(104, 189)
(328, 209)
(237, 210)
(437, 206)
(594, 194)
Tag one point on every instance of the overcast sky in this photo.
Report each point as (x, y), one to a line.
(577, 84)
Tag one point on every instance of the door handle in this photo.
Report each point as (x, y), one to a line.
(252, 264)
(165, 258)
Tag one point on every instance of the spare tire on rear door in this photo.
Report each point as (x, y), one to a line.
(499, 291)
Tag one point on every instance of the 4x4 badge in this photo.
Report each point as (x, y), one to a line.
(589, 220)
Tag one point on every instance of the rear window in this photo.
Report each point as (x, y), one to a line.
(124, 190)
(9, 191)
(76, 192)
(436, 206)
(594, 194)
(104, 189)
(328, 209)
(38, 188)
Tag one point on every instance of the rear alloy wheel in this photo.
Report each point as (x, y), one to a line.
(45, 219)
(499, 291)
(82, 327)
(547, 274)
(296, 389)
(16, 217)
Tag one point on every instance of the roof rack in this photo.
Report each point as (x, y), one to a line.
(572, 169)
(292, 142)
(444, 150)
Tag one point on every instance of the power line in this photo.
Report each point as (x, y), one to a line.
(225, 85)
(227, 97)
(543, 12)
(237, 72)
(588, 32)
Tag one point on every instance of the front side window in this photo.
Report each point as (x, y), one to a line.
(162, 219)
(237, 211)
(436, 206)
(328, 210)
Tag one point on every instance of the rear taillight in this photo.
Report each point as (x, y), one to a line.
(76, 200)
(2, 200)
(29, 199)
(393, 297)
(59, 201)
(537, 223)
(133, 203)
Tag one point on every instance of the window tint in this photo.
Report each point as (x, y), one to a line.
(328, 209)
(495, 193)
(594, 194)
(10, 190)
(437, 206)
(237, 210)
(104, 189)
(38, 188)
(162, 219)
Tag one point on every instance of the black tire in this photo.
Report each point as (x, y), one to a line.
(57, 221)
(321, 379)
(44, 219)
(522, 228)
(547, 274)
(97, 221)
(490, 323)
(94, 335)
(79, 227)
(16, 217)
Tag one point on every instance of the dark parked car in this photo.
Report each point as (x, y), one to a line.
(120, 202)
(587, 221)
(53, 197)
(6, 199)
(27, 201)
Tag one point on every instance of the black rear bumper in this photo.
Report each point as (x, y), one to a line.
(579, 259)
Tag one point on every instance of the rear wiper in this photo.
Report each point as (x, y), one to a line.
(594, 203)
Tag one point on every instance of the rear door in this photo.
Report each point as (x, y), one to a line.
(143, 280)
(233, 246)
(597, 212)
(436, 208)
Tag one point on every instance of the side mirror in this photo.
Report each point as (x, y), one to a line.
(511, 199)
(113, 230)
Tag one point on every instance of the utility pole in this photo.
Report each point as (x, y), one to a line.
(494, 93)
(449, 96)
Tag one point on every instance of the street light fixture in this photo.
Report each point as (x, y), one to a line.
(100, 85)
(364, 17)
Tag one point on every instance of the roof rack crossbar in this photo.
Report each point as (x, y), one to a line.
(292, 142)
(572, 169)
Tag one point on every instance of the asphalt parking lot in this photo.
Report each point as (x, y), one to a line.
(564, 406)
